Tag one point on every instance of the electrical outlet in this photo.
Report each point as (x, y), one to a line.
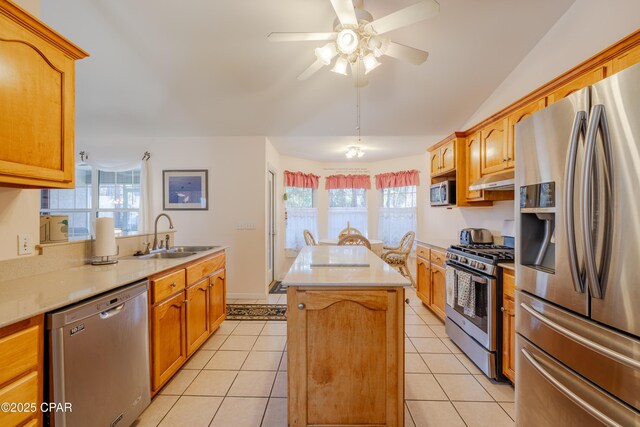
(25, 244)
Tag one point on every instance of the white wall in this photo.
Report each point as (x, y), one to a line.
(236, 168)
(272, 163)
(586, 28)
(19, 209)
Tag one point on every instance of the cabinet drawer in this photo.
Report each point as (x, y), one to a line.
(508, 283)
(204, 268)
(438, 257)
(166, 286)
(422, 252)
(18, 353)
(22, 391)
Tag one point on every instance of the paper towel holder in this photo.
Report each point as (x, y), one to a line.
(104, 260)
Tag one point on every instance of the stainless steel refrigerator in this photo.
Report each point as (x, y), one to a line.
(578, 258)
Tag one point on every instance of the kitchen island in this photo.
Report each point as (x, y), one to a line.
(345, 329)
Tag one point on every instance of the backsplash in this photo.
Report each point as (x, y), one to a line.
(61, 256)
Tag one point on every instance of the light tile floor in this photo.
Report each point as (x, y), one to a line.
(239, 379)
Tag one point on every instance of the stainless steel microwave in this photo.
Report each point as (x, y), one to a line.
(443, 193)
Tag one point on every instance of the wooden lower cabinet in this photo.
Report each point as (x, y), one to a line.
(431, 279)
(423, 280)
(197, 315)
(438, 290)
(169, 346)
(21, 370)
(508, 326)
(217, 303)
(187, 306)
(345, 356)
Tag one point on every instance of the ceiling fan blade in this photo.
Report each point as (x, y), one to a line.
(345, 12)
(311, 70)
(300, 37)
(407, 16)
(406, 53)
(359, 77)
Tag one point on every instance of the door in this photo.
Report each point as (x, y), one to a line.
(492, 151)
(350, 377)
(197, 311)
(616, 214)
(555, 395)
(473, 165)
(271, 227)
(169, 339)
(517, 117)
(438, 289)
(435, 162)
(542, 143)
(423, 280)
(217, 307)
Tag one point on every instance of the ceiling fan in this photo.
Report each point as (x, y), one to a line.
(357, 40)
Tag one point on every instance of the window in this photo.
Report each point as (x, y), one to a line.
(397, 213)
(347, 205)
(301, 215)
(116, 194)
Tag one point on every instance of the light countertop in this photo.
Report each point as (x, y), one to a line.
(327, 266)
(32, 295)
(507, 265)
(438, 243)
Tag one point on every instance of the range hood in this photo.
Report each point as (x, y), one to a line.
(496, 182)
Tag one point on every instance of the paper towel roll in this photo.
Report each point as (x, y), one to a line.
(105, 238)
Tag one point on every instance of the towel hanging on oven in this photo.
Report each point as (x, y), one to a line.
(450, 285)
(466, 293)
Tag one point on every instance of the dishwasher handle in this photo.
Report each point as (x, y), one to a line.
(111, 312)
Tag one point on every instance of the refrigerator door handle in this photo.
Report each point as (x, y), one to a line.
(607, 352)
(568, 393)
(598, 122)
(579, 130)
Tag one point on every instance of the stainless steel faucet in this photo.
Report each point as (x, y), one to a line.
(155, 230)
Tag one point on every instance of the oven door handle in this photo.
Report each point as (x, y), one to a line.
(474, 277)
(567, 392)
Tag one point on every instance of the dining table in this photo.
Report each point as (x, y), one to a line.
(376, 245)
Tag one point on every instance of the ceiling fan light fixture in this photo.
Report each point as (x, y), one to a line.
(347, 41)
(326, 53)
(354, 151)
(340, 66)
(376, 46)
(370, 63)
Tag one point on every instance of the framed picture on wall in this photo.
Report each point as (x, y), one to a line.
(185, 190)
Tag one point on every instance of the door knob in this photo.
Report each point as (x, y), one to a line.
(301, 306)
(407, 300)
(502, 309)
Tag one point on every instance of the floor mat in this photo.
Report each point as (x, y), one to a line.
(278, 288)
(256, 312)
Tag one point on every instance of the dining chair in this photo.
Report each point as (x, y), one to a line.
(308, 238)
(354, 240)
(397, 256)
(349, 231)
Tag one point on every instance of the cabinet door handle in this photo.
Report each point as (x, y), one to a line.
(407, 300)
(504, 160)
(301, 306)
(502, 309)
(174, 284)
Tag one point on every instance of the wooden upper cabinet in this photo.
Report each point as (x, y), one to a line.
(36, 102)
(626, 59)
(493, 156)
(473, 168)
(575, 85)
(514, 118)
(448, 157)
(435, 162)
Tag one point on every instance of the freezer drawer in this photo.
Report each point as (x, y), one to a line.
(607, 358)
(550, 395)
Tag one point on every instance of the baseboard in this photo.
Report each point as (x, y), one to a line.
(246, 296)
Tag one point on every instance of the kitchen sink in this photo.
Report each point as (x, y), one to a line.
(182, 249)
(161, 255)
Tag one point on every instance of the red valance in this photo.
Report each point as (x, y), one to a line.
(301, 180)
(334, 182)
(397, 179)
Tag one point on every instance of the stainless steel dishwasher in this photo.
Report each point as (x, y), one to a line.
(99, 359)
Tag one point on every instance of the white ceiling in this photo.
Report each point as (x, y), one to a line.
(205, 68)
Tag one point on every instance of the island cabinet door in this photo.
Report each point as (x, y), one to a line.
(345, 355)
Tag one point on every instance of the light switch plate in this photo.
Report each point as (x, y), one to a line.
(25, 244)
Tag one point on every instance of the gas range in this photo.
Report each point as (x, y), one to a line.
(483, 258)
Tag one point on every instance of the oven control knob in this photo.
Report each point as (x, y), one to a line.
(464, 260)
(480, 266)
(453, 256)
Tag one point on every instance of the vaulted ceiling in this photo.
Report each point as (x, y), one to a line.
(205, 67)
